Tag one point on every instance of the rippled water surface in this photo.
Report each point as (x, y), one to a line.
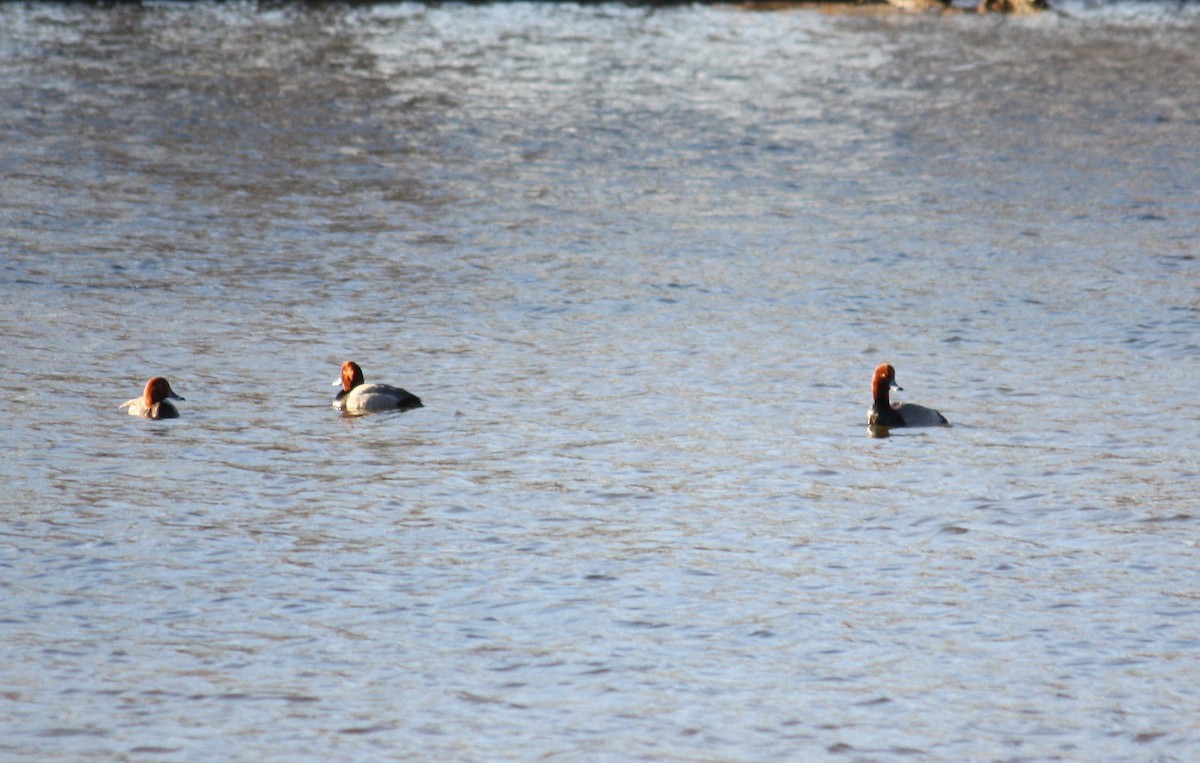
(639, 263)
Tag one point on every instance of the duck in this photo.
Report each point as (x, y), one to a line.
(884, 414)
(154, 402)
(358, 398)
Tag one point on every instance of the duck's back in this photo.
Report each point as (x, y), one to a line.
(370, 398)
(134, 407)
(920, 416)
(905, 415)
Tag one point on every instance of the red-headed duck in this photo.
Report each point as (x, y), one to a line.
(153, 402)
(884, 414)
(357, 397)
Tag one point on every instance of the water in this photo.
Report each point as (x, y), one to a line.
(639, 263)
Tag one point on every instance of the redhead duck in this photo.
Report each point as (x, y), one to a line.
(884, 414)
(357, 397)
(153, 402)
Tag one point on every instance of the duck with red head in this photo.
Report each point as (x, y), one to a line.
(153, 404)
(884, 414)
(357, 398)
